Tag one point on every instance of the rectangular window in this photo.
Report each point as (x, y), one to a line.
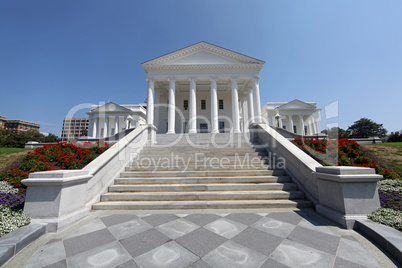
(294, 129)
(185, 104)
(185, 129)
(221, 127)
(203, 104)
(203, 128)
(220, 104)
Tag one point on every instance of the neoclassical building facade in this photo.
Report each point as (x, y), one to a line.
(298, 117)
(203, 88)
(111, 118)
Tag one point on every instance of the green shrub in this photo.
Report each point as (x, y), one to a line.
(6, 187)
(387, 216)
(11, 220)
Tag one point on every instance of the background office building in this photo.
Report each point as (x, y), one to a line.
(73, 128)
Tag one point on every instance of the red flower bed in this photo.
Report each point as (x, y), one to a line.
(54, 157)
(341, 152)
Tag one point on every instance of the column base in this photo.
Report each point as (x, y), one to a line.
(192, 131)
(215, 131)
(170, 132)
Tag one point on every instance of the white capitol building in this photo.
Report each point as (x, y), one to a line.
(203, 88)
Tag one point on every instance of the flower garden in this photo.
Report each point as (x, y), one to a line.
(50, 157)
(344, 152)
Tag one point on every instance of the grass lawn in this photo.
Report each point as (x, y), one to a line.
(391, 144)
(9, 155)
(13, 150)
(389, 154)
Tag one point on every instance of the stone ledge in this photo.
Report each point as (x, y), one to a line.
(388, 238)
(12, 243)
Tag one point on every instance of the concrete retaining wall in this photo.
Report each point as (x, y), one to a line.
(63, 196)
(342, 194)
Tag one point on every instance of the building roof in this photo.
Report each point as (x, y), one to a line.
(202, 55)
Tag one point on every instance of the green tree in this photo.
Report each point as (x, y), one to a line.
(364, 128)
(336, 132)
(50, 138)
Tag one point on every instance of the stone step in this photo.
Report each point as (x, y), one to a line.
(199, 167)
(201, 180)
(212, 204)
(199, 154)
(210, 146)
(207, 173)
(207, 161)
(204, 187)
(189, 196)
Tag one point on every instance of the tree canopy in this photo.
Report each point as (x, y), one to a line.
(336, 133)
(9, 139)
(364, 128)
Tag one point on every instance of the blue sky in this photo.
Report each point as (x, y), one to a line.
(57, 55)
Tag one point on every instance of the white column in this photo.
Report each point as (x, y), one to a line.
(116, 125)
(250, 100)
(172, 106)
(257, 102)
(235, 107)
(214, 106)
(192, 119)
(313, 125)
(105, 127)
(150, 102)
(280, 121)
(291, 123)
(157, 109)
(94, 127)
(127, 123)
(301, 124)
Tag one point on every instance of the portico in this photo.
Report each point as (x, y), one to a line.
(203, 88)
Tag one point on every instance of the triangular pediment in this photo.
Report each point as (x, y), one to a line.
(296, 105)
(202, 53)
(110, 107)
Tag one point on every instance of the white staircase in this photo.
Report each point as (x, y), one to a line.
(193, 172)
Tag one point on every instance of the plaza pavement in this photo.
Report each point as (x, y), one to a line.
(235, 238)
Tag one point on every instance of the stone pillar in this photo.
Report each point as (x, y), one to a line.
(150, 102)
(250, 105)
(346, 194)
(301, 124)
(172, 106)
(214, 106)
(314, 124)
(291, 123)
(157, 108)
(94, 127)
(235, 107)
(280, 121)
(192, 124)
(116, 124)
(128, 122)
(257, 102)
(105, 127)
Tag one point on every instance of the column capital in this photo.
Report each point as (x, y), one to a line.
(192, 78)
(256, 78)
(150, 79)
(172, 79)
(213, 78)
(234, 78)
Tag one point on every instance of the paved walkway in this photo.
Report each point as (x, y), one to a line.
(279, 238)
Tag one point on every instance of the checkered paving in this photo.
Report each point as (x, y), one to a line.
(280, 239)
